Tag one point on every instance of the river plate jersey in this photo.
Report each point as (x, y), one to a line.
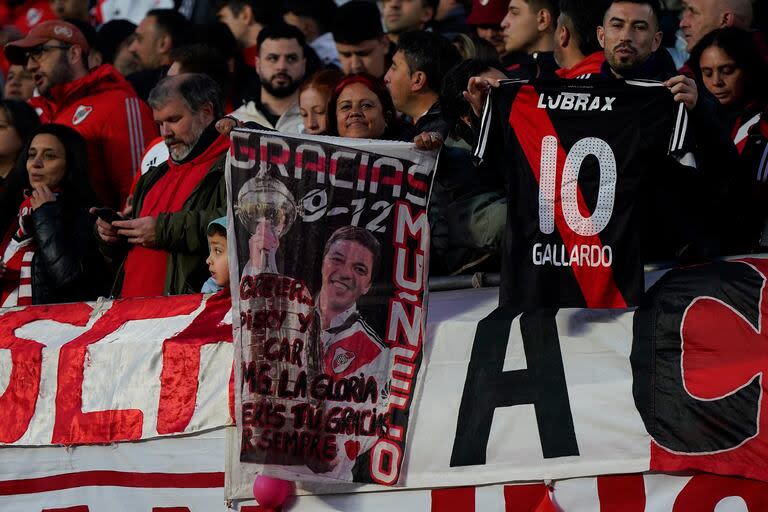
(578, 155)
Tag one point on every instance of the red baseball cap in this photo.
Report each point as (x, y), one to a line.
(16, 52)
(487, 12)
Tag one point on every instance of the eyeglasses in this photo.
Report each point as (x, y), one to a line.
(36, 53)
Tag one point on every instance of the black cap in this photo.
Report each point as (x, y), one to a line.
(357, 21)
(110, 36)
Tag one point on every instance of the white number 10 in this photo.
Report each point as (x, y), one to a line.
(584, 226)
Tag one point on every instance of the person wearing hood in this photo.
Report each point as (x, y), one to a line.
(99, 104)
(218, 261)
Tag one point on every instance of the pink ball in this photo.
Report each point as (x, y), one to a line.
(271, 492)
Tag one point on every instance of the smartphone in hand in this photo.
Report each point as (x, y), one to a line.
(108, 215)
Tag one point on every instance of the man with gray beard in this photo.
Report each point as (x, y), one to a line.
(163, 244)
(281, 65)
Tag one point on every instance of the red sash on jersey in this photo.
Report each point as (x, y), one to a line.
(597, 284)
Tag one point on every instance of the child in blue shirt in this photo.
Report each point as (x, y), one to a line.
(218, 261)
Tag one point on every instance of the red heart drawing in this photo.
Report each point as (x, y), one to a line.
(352, 448)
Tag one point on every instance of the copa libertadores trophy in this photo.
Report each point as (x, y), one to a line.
(279, 330)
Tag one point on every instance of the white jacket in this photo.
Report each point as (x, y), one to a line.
(290, 122)
(132, 10)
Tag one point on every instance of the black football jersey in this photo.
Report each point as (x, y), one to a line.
(578, 156)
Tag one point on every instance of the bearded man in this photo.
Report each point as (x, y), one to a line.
(162, 246)
(98, 103)
(281, 66)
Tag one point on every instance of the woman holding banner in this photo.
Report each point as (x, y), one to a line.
(363, 109)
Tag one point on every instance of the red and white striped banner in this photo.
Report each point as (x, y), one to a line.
(111, 371)
(154, 373)
(186, 474)
(620, 493)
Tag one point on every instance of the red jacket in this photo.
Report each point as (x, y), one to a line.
(588, 65)
(103, 107)
(24, 17)
(29, 14)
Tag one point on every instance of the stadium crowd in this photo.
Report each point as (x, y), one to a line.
(115, 116)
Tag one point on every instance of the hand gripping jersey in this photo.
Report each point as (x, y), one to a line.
(579, 157)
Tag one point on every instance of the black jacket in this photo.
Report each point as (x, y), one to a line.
(703, 203)
(528, 67)
(431, 121)
(67, 266)
(11, 194)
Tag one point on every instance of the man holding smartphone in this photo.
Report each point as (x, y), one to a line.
(163, 244)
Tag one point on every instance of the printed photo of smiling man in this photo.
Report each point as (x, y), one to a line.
(350, 260)
(350, 347)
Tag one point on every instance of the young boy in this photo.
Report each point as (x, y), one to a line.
(218, 260)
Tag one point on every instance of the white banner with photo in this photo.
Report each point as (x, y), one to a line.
(577, 389)
(329, 250)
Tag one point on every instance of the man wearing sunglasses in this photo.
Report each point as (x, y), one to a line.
(100, 104)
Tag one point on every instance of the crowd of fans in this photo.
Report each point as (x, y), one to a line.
(115, 116)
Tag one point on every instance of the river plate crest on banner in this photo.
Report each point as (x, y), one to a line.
(329, 281)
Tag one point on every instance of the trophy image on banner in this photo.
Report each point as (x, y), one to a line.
(280, 325)
(267, 209)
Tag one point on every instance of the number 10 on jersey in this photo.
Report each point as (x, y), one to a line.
(569, 186)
